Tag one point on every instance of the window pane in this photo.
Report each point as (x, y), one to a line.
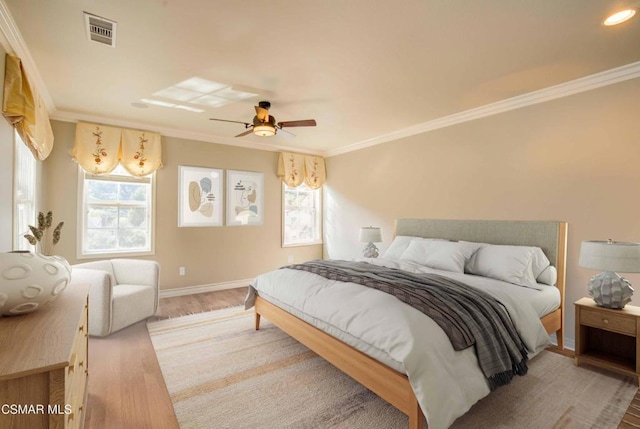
(133, 238)
(24, 193)
(99, 190)
(133, 217)
(101, 239)
(119, 214)
(301, 215)
(133, 192)
(102, 217)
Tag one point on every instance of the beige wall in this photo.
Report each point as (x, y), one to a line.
(576, 159)
(210, 255)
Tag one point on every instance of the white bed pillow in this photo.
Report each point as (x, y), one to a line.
(400, 244)
(439, 254)
(549, 276)
(397, 247)
(519, 265)
(540, 262)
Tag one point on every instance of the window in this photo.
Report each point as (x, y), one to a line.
(24, 193)
(117, 215)
(301, 216)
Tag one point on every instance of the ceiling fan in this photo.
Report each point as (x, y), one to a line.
(265, 125)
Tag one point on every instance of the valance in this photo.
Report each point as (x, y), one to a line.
(99, 148)
(294, 168)
(24, 108)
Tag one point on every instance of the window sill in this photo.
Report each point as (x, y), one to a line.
(115, 255)
(313, 243)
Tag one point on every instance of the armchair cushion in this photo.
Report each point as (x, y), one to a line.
(122, 292)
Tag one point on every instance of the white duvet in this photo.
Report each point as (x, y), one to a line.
(446, 383)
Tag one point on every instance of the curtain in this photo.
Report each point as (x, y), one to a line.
(24, 108)
(294, 168)
(99, 148)
(314, 171)
(141, 154)
(291, 168)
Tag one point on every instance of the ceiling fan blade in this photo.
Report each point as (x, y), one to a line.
(303, 123)
(249, 131)
(284, 133)
(246, 124)
(262, 114)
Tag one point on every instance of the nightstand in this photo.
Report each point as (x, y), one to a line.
(608, 338)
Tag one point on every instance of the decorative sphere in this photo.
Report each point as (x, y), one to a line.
(30, 280)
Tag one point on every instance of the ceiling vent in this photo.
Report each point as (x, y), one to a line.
(100, 30)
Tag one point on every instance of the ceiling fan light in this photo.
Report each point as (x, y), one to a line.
(264, 130)
(620, 17)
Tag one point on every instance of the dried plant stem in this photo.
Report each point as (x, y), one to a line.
(45, 245)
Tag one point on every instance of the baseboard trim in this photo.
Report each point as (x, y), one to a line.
(190, 290)
(569, 343)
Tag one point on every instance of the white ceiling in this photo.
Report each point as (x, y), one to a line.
(364, 69)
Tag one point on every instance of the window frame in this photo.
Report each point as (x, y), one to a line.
(21, 155)
(80, 233)
(318, 240)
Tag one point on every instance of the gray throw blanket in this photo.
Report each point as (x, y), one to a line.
(467, 315)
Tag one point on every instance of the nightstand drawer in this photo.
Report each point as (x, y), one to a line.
(608, 321)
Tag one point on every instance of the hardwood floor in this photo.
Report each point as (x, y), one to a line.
(126, 388)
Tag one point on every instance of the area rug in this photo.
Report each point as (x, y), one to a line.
(221, 373)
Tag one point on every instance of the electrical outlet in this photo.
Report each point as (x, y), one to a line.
(182, 271)
(290, 259)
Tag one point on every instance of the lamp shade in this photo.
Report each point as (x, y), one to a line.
(615, 256)
(370, 234)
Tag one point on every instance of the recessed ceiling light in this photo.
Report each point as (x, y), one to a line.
(620, 17)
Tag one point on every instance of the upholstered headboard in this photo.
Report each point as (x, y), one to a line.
(550, 236)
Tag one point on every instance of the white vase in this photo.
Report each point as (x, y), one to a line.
(30, 280)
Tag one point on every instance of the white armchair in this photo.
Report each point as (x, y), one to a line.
(122, 292)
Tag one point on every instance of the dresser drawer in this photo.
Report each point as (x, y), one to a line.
(75, 374)
(608, 321)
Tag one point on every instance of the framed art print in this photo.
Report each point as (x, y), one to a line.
(245, 198)
(199, 196)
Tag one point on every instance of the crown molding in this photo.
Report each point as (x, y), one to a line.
(13, 43)
(64, 116)
(587, 83)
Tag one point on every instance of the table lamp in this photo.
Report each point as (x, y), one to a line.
(608, 289)
(370, 235)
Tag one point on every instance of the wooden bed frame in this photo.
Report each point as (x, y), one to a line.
(389, 384)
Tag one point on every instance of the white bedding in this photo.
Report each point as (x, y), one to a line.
(446, 383)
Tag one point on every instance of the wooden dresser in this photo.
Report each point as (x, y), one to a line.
(43, 364)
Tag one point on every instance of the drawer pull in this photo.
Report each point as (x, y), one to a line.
(81, 364)
(81, 328)
(605, 321)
